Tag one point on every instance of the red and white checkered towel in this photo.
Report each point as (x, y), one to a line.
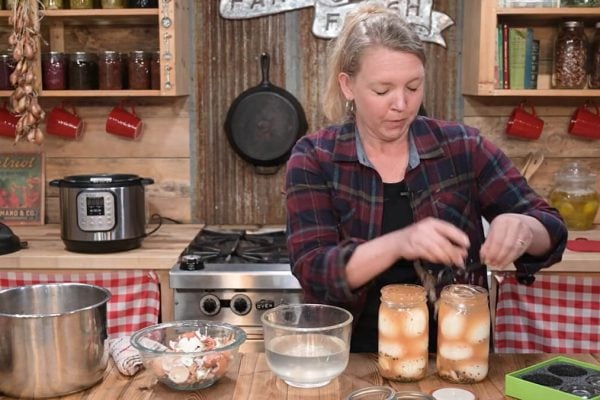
(135, 301)
(557, 314)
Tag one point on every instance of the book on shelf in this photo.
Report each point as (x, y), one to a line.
(532, 65)
(498, 68)
(505, 58)
(517, 44)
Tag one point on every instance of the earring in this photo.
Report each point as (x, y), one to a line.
(350, 107)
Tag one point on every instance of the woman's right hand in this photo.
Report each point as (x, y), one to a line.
(433, 240)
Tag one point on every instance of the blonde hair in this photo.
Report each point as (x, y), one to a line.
(369, 24)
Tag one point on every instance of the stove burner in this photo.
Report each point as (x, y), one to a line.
(234, 247)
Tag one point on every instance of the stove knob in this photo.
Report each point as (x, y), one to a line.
(210, 304)
(191, 262)
(241, 304)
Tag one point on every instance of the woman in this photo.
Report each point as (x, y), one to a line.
(392, 197)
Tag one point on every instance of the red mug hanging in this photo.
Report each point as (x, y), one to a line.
(64, 123)
(123, 123)
(585, 123)
(523, 124)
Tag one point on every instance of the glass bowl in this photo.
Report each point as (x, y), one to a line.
(188, 355)
(307, 345)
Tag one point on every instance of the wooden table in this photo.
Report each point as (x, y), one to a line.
(251, 379)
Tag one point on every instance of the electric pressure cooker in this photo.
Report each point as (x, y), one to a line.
(102, 213)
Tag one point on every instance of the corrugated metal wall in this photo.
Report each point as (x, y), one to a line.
(228, 189)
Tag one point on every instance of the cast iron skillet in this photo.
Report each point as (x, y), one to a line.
(264, 122)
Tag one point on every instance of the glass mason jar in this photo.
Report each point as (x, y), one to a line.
(570, 56)
(81, 4)
(110, 71)
(580, 3)
(54, 4)
(139, 70)
(7, 66)
(83, 71)
(54, 71)
(403, 332)
(463, 334)
(594, 78)
(155, 71)
(143, 3)
(114, 3)
(574, 196)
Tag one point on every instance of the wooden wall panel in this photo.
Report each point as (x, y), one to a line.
(229, 190)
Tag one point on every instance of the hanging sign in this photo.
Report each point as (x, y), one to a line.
(330, 14)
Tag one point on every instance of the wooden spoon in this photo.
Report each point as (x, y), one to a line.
(536, 162)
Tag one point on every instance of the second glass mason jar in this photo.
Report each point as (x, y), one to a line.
(110, 71)
(574, 196)
(81, 4)
(139, 70)
(54, 71)
(54, 4)
(579, 3)
(7, 66)
(463, 334)
(594, 79)
(155, 71)
(403, 332)
(570, 56)
(83, 71)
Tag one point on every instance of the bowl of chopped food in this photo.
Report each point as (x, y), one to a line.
(188, 355)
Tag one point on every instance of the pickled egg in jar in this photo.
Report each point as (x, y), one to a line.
(403, 332)
(574, 196)
(463, 334)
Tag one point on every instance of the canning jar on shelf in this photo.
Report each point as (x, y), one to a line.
(403, 332)
(463, 334)
(53, 4)
(81, 4)
(570, 56)
(83, 71)
(110, 71)
(113, 3)
(54, 71)
(7, 66)
(574, 196)
(139, 70)
(594, 78)
(580, 3)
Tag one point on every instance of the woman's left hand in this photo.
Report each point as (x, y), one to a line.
(509, 237)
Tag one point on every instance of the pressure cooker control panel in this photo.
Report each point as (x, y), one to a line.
(96, 211)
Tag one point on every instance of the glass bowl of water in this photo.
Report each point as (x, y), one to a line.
(307, 345)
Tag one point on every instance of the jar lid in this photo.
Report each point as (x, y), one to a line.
(453, 394)
(574, 172)
(386, 393)
(403, 293)
(82, 56)
(464, 292)
(572, 24)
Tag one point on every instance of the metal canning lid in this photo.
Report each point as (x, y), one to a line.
(572, 24)
(373, 393)
(386, 393)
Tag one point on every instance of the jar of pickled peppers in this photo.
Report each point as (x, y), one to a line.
(574, 195)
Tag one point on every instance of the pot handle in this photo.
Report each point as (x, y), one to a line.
(147, 181)
(55, 182)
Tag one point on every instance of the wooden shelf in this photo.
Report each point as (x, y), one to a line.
(546, 92)
(93, 93)
(171, 41)
(479, 45)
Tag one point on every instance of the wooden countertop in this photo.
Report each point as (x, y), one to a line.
(160, 250)
(46, 251)
(251, 379)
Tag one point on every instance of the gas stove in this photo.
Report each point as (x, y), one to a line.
(233, 275)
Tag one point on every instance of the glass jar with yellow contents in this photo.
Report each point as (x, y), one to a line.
(574, 195)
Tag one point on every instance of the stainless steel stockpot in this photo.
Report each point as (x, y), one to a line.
(52, 339)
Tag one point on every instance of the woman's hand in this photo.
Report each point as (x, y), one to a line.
(435, 241)
(509, 237)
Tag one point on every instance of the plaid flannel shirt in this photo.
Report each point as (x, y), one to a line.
(335, 201)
